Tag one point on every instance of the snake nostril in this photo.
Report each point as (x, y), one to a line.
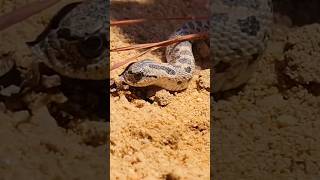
(91, 47)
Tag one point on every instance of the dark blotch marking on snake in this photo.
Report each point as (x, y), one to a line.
(206, 25)
(199, 23)
(187, 69)
(179, 82)
(184, 27)
(250, 25)
(167, 69)
(184, 61)
(191, 25)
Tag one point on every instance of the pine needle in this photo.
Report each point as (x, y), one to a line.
(153, 46)
(142, 20)
(131, 59)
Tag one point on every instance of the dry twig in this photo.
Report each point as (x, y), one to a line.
(135, 21)
(153, 46)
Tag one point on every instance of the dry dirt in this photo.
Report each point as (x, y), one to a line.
(39, 141)
(269, 130)
(166, 135)
(265, 130)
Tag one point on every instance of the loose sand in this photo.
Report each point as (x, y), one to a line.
(167, 136)
(158, 135)
(33, 146)
(266, 130)
(270, 129)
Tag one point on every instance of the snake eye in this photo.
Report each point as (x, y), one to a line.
(133, 77)
(91, 47)
(137, 76)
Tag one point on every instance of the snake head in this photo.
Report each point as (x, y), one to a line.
(138, 74)
(76, 41)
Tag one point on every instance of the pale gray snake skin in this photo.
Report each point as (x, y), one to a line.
(174, 75)
(238, 30)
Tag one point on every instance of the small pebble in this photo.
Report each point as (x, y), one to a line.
(50, 81)
(10, 90)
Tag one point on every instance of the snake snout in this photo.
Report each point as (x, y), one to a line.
(136, 75)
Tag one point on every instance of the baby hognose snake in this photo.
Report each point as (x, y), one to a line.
(238, 31)
(76, 44)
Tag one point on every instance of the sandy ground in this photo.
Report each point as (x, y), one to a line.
(266, 130)
(38, 141)
(164, 136)
(269, 130)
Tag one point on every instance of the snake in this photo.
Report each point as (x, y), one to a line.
(75, 43)
(238, 34)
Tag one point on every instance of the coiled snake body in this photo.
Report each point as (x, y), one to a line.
(238, 31)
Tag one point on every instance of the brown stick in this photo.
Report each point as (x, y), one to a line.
(135, 21)
(131, 59)
(24, 12)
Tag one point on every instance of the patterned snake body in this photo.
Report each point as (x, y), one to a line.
(238, 30)
(76, 44)
(174, 75)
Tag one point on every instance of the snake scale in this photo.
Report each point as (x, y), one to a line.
(76, 44)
